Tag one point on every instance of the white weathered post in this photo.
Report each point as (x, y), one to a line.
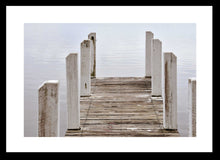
(92, 37)
(192, 106)
(170, 88)
(156, 70)
(48, 109)
(85, 50)
(148, 53)
(73, 91)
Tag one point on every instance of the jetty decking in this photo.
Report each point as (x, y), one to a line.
(121, 107)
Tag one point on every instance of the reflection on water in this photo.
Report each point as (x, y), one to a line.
(120, 53)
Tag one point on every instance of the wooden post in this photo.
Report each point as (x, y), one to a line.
(148, 52)
(92, 37)
(48, 109)
(192, 106)
(156, 68)
(170, 104)
(73, 91)
(85, 68)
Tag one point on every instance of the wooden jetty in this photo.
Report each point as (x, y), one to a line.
(121, 107)
(116, 106)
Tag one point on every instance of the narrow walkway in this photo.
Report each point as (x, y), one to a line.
(122, 107)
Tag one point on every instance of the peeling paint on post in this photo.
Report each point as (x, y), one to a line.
(48, 109)
(170, 102)
(192, 106)
(92, 37)
(73, 91)
(148, 52)
(156, 70)
(85, 80)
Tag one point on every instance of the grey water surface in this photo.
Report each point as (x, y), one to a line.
(120, 53)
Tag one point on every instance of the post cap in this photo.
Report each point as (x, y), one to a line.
(48, 82)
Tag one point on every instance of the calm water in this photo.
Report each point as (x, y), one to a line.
(120, 52)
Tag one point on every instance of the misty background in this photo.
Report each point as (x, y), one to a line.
(120, 52)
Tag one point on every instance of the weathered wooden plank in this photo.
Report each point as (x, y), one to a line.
(149, 117)
(110, 126)
(120, 121)
(116, 111)
(124, 133)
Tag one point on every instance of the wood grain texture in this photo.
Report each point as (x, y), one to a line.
(121, 107)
